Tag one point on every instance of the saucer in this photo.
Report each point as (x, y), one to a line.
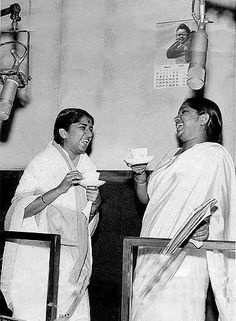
(139, 161)
(91, 182)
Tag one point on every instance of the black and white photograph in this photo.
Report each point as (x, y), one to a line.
(117, 160)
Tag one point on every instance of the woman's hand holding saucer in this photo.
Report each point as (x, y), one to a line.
(140, 175)
(93, 195)
(138, 163)
(139, 169)
(139, 160)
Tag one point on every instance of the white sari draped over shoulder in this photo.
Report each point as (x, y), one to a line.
(25, 263)
(175, 289)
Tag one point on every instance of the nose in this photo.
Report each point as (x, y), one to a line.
(88, 132)
(177, 119)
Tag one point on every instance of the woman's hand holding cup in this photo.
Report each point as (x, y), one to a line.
(71, 179)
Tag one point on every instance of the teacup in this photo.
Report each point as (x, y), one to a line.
(92, 175)
(139, 152)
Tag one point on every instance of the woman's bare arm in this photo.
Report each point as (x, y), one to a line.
(71, 179)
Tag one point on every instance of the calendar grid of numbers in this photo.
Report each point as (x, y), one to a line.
(170, 76)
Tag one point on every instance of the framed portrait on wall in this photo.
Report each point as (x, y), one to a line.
(173, 42)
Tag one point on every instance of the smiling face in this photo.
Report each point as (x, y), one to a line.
(78, 137)
(190, 126)
(181, 35)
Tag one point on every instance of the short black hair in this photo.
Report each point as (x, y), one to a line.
(183, 26)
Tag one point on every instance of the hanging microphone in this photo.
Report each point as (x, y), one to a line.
(198, 51)
(197, 65)
(13, 78)
(7, 96)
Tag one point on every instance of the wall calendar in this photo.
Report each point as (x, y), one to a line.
(170, 76)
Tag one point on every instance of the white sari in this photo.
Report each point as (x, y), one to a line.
(179, 185)
(25, 263)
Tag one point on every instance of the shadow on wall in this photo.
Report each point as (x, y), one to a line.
(220, 9)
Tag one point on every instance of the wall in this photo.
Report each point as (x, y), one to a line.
(99, 55)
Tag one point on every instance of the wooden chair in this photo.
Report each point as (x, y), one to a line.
(130, 243)
(54, 260)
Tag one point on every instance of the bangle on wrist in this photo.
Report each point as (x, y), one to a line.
(43, 200)
(140, 182)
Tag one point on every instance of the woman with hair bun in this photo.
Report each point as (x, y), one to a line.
(199, 171)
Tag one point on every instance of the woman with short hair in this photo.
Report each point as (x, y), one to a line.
(50, 199)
